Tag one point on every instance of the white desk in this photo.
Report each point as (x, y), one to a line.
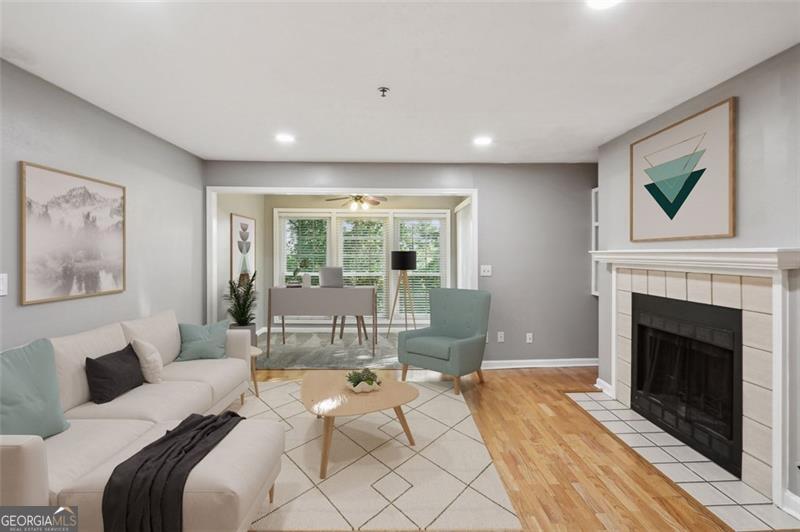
(316, 301)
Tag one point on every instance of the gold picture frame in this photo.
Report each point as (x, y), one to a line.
(718, 220)
(83, 261)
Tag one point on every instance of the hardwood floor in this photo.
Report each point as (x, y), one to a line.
(562, 469)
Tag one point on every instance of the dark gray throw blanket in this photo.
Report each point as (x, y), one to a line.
(145, 492)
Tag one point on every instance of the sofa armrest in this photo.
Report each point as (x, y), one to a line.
(23, 461)
(237, 344)
(467, 353)
(404, 336)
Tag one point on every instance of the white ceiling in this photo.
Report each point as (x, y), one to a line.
(550, 81)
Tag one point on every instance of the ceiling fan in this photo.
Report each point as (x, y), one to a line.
(356, 201)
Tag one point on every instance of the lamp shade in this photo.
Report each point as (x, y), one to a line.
(404, 260)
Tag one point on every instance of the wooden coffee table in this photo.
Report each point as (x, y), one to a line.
(325, 393)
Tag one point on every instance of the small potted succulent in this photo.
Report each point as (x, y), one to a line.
(242, 297)
(363, 381)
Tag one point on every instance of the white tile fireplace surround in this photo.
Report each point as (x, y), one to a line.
(753, 280)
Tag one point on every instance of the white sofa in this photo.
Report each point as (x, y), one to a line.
(223, 492)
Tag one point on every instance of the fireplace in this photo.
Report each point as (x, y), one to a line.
(686, 374)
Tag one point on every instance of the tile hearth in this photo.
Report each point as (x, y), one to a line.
(375, 481)
(737, 504)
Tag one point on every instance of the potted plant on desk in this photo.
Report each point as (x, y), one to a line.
(296, 281)
(242, 298)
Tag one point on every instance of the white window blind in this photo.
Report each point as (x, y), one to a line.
(426, 236)
(362, 254)
(304, 239)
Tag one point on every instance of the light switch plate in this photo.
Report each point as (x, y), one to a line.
(501, 337)
(486, 270)
(529, 338)
(3, 284)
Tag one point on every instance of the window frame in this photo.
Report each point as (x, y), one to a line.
(334, 217)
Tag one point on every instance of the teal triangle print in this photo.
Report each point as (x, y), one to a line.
(675, 167)
(672, 206)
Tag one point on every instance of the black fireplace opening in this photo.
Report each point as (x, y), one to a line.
(686, 374)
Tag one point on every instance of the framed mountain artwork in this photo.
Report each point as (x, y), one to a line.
(243, 247)
(72, 241)
(682, 178)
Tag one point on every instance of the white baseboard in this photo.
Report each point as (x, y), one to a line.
(539, 363)
(605, 387)
(791, 503)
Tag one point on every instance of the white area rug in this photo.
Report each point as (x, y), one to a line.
(447, 481)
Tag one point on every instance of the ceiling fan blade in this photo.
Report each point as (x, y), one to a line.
(372, 201)
(337, 199)
(379, 198)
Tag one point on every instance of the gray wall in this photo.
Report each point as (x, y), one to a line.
(165, 218)
(534, 228)
(767, 180)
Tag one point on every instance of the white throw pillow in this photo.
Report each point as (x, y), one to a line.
(149, 359)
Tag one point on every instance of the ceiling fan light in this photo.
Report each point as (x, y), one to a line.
(353, 206)
(365, 205)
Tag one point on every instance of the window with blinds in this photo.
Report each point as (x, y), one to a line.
(362, 254)
(305, 245)
(426, 237)
(361, 245)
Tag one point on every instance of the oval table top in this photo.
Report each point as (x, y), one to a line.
(327, 393)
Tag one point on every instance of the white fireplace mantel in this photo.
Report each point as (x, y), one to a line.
(729, 259)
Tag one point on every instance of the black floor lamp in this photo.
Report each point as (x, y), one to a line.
(403, 261)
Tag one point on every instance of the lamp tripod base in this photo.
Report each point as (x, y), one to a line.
(402, 281)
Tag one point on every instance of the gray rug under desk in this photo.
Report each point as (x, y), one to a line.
(305, 350)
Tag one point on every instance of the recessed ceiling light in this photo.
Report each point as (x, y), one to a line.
(482, 140)
(602, 4)
(285, 138)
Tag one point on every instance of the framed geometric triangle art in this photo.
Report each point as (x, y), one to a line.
(682, 178)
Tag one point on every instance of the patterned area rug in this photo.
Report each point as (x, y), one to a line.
(447, 481)
(314, 350)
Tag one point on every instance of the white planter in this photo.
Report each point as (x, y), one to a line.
(364, 387)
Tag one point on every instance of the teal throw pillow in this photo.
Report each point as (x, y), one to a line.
(203, 341)
(29, 402)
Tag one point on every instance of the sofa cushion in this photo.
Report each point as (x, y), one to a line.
(222, 374)
(150, 402)
(161, 330)
(432, 346)
(113, 374)
(71, 352)
(29, 402)
(219, 491)
(86, 444)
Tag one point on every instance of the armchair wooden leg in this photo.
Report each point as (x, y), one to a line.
(241, 398)
(405, 372)
(480, 376)
(272, 493)
(457, 384)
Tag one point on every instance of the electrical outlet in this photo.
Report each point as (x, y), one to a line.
(501, 337)
(528, 338)
(486, 270)
(3, 284)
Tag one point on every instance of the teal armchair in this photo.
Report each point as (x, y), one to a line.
(455, 341)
